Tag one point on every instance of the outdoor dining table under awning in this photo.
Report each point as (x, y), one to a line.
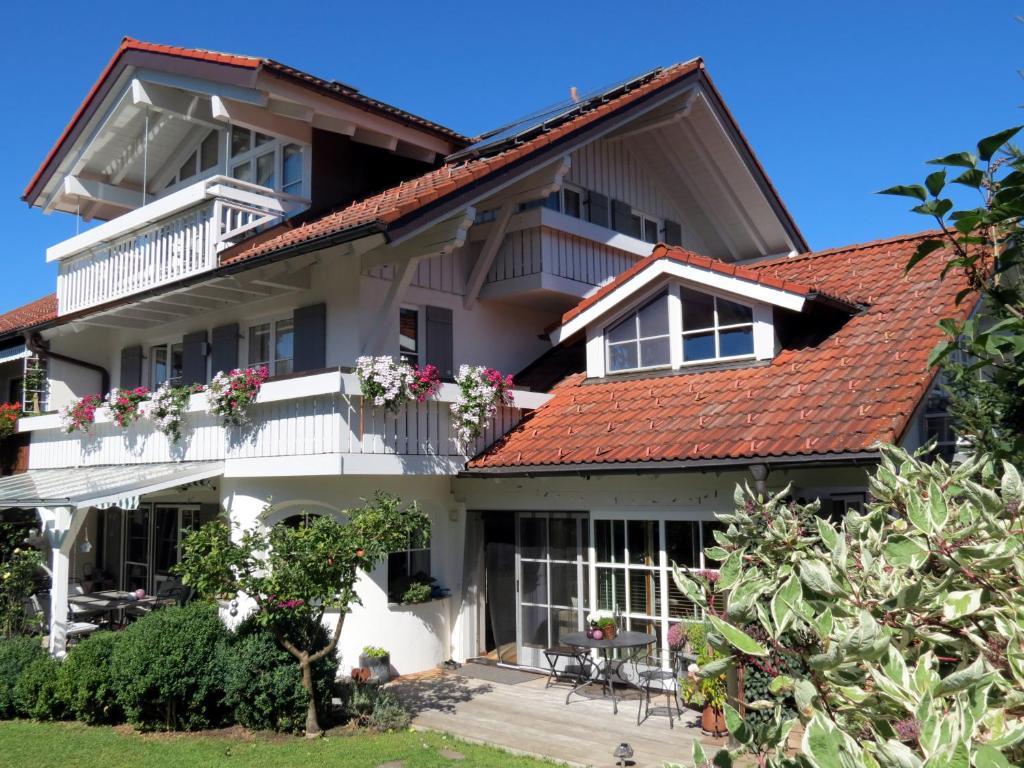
(107, 602)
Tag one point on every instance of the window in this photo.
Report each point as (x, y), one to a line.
(263, 159)
(641, 340)
(938, 426)
(272, 344)
(408, 566)
(715, 328)
(200, 160)
(165, 363)
(572, 201)
(409, 335)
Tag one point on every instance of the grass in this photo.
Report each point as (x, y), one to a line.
(73, 745)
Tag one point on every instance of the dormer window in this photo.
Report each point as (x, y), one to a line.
(641, 340)
(715, 328)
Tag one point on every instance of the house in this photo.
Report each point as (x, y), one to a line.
(623, 254)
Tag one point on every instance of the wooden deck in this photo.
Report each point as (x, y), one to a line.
(529, 719)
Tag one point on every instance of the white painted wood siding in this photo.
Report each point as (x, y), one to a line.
(445, 273)
(540, 249)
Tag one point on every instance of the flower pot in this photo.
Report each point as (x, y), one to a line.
(378, 666)
(609, 632)
(712, 722)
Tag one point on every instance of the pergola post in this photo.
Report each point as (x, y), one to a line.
(60, 526)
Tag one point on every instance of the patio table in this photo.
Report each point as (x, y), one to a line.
(622, 641)
(107, 602)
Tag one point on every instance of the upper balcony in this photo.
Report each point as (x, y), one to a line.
(163, 242)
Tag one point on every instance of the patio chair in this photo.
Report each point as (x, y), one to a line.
(173, 595)
(573, 671)
(652, 679)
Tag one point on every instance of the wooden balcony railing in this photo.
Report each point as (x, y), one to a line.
(170, 239)
(321, 417)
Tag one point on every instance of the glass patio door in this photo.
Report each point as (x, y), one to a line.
(551, 573)
(136, 548)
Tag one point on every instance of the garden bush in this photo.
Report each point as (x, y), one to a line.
(388, 712)
(16, 654)
(263, 685)
(37, 693)
(86, 680)
(168, 668)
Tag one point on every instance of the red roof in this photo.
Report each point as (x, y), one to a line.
(858, 386)
(248, 62)
(682, 256)
(28, 315)
(406, 198)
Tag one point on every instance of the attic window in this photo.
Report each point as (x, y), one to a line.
(641, 340)
(715, 328)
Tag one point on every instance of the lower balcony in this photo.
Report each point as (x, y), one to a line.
(321, 420)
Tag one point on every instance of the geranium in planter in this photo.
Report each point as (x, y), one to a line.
(390, 383)
(230, 394)
(80, 415)
(481, 391)
(425, 382)
(167, 408)
(123, 404)
(9, 415)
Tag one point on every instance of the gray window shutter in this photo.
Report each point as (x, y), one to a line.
(673, 233)
(623, 220)
(439, 341)
(193, 358)
(310, 328)
(224, 348)
(131, 367)
(597, 209)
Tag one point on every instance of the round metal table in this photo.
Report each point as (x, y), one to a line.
(622, 640)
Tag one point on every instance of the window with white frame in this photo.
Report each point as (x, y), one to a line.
(572, 198)
(648, 226)
(938, 425)
(165, 361)
(272, 344)
(409, 347)
(641, 340)
(204, 158)
(267, 161)
(715, 328)
(408, 566)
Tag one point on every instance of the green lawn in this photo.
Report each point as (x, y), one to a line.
(73, 745)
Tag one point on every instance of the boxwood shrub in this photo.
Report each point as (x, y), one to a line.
(16, 654)
(167, 669)
(263, 684)
(86, 680)
(37, 693)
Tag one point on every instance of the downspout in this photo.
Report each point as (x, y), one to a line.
(37, 346)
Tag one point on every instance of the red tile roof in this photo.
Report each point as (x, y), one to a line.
(28, 315)
(858, 386)
(248, 62)
(406, 198)
(683, 256)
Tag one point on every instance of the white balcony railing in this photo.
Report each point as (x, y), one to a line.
(321, 418)
(170, 239)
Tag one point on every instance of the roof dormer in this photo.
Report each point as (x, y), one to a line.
(677, 310)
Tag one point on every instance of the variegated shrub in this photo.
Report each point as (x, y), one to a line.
(909, 616)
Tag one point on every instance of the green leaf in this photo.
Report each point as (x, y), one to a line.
(935, 182)
(937, 509)
(988, 146)
(1011, 486)
(821, 743)
(973, 178)
(816, 577)
(962, 679)
(783, 604)
(699, 756)
(986, 756)
(912, 190)
(737, 638)
(729, 573)
(961, 159)
(961, 603)
(906, 552)
(827, 532)
(926, 247)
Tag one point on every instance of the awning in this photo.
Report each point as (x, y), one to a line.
(84, 487)
(17, 352)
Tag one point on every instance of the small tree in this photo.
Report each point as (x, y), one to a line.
(907, 620)
(297, 575)
(985, 244)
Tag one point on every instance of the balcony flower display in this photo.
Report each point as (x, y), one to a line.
(123, 405)
(81, 414)
(9, 415)
(167, 408)
(389, 383)
(481, 391)
(230, 394)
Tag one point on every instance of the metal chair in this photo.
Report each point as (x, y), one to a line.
(571, 673)
(652, 679)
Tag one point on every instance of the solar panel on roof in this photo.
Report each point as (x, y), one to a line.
(545, 119)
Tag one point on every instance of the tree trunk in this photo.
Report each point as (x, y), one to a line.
(312, 723)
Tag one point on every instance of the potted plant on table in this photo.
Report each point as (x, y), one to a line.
(708, 692)
(377, 661)
(601, 625)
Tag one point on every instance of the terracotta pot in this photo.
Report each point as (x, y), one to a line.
(712, 722)
(609, 631)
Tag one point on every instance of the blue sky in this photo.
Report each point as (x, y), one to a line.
(838, 100)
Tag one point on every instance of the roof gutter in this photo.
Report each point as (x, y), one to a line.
(35, 344)
(857, 458)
